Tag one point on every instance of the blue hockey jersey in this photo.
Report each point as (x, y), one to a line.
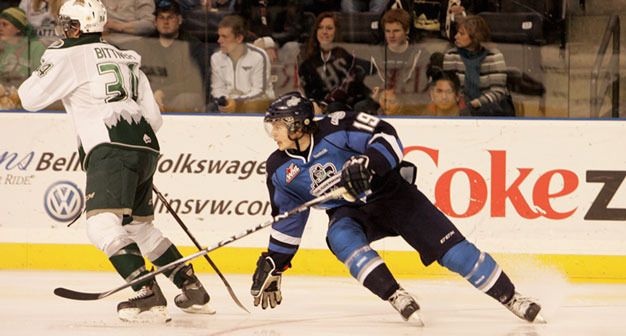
(295, 178)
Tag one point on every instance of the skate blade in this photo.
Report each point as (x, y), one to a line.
(539, 319)
(199, 309)
(416, 319)
(158, 314)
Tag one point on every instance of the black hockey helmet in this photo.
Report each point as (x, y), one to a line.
(293, 109)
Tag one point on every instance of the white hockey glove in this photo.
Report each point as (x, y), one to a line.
(266, 283)
(356, 177)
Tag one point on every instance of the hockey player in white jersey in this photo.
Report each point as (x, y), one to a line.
(115, 116)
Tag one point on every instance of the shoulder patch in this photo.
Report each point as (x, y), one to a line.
(43, 68)
(56, 44)
(335, 117)
(291, 172)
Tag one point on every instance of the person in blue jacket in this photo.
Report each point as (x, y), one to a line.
(363, 154)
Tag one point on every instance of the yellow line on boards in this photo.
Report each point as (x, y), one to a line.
(404, 264)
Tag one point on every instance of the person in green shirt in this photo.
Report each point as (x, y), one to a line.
(20, 48)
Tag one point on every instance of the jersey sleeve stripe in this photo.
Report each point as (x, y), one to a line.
(391, 160)
(391, 140)
(281, 237)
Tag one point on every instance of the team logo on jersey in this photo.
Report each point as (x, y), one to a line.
(335, 117)
(291, 172)
(323, 178)
(246, 68)
(63, 201)
(147, 139)
(43, 68)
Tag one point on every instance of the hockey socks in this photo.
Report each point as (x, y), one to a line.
(129, 263)
(171, 254)
(480, 269)
(349, 244)
(381, 282)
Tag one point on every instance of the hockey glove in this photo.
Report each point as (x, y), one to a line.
(266, 283)
(356, 177)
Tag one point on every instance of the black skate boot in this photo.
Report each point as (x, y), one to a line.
(149, 298)
(194, 298)
(525, 308)
(404, 303)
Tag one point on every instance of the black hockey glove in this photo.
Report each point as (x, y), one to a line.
(356, 177)
(266, 283)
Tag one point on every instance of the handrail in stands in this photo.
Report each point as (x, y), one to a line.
(596, 99)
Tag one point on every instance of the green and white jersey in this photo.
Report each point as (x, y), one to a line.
(102, 89)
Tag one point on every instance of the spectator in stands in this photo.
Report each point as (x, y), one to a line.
(172, 60)
(240, 72)
(42, 15)
(127, 18)
(481, 70)
(445, 95)
(20, 54)
(330, 73)
(357, 6)
(398, 68)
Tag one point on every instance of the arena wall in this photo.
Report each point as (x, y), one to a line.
(542, 194)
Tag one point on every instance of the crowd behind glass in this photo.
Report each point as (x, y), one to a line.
(225, 56)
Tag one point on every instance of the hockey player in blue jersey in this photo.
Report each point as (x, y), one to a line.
(362, 153)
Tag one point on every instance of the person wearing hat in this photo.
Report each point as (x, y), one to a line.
(20, 51)
(173, 61)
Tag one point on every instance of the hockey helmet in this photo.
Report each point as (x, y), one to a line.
(90, 14)
(294, 110)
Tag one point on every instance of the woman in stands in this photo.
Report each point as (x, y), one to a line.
(330, 73)
(481, 70)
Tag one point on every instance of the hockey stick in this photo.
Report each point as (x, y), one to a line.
(195, 242)
(75, 295)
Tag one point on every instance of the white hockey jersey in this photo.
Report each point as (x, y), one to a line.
(102, 89)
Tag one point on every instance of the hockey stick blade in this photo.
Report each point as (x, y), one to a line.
(85, 296)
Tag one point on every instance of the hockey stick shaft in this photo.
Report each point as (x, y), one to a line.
(83, 296)
(195, 242)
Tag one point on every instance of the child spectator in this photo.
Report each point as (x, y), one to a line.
(444, 95)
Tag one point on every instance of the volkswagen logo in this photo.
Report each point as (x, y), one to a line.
(63, 201)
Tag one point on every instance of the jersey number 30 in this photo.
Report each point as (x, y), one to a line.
(117, 90)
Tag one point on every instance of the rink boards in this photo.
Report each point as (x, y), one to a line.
(546, 193)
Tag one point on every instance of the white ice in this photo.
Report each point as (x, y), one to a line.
(311, 306)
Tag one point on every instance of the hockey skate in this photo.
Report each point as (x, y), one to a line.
(149, 299)
(194, 298)
(404, 303)
(525, 308)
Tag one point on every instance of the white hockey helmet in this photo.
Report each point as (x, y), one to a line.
(90, 14)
